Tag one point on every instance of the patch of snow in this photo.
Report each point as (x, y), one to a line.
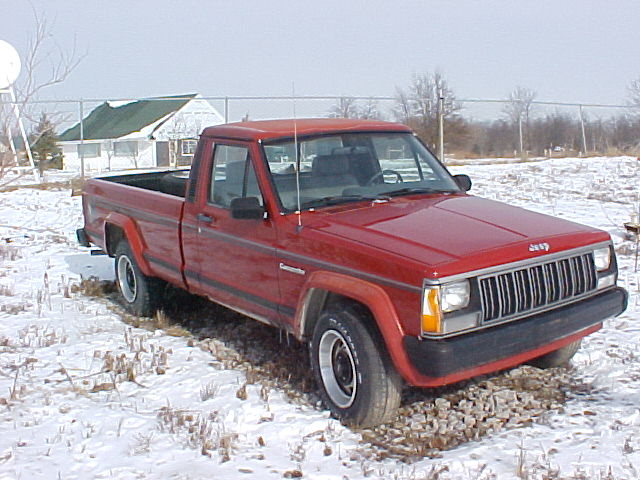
(119, 103)
(67, 412)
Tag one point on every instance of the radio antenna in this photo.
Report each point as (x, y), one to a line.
(297, 155)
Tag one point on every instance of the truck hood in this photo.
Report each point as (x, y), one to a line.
(452, 232)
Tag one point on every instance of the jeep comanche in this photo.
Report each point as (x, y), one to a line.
(353, 237)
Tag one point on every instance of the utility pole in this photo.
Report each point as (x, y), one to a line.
(521, 139)
(584, 136)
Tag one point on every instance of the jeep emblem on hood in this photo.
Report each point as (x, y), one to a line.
(538, 247)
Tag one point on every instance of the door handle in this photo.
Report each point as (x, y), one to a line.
(201, 217)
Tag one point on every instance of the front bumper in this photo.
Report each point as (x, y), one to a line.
(450, 356)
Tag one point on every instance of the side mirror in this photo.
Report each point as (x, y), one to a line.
(246, 208)
(463, 181)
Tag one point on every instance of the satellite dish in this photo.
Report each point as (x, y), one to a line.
(9, 65)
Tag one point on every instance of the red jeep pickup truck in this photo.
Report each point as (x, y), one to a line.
(353, 237)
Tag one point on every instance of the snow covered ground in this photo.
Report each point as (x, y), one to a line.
(84, 394)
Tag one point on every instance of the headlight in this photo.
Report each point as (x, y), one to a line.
(439, 299)
(454, 296)
(602, 258)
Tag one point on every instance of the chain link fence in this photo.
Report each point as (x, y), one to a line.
(67, 113)
(74, 112)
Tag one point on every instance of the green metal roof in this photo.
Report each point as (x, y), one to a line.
(115, 122)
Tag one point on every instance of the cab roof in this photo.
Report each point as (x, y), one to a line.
(285, 128)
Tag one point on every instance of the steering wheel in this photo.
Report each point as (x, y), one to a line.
(382, 173)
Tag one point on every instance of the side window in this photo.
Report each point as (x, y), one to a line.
(232, 176)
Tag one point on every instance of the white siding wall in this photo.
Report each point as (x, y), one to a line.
(144, 159)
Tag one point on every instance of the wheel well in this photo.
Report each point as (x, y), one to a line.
(112, 235)
(320, 301)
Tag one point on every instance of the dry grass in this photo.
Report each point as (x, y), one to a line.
(6, 291)
(15, 308)
(75, 185)
(41, 336)
(209, 391)
(143, 358)
(91, 287)
(9, 253)
(542, 467)
(198, 430)
(142, 443)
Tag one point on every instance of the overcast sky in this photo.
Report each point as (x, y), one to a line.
(571, 51)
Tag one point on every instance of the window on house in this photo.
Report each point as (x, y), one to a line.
(189, 147)
(89, 150)
(125, 149)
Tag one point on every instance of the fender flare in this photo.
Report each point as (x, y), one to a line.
(374, 297)
(131, 234)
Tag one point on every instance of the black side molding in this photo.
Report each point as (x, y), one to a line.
(439, 358)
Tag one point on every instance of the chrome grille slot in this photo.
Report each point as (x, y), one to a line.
(514, 293)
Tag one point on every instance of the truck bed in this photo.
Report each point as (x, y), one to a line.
(151, 205)
(172, 182)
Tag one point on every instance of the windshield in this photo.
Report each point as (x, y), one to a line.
(348, 167)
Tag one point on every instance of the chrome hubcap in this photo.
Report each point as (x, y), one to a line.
(126, 278)
(337, 368)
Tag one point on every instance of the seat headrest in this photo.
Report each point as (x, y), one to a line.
(235, 172)
(330, 165)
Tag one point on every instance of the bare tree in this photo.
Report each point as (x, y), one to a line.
(518, 109)
(520, 104)
(369, 110)
(634, 93)
(345, 107)
(402, 108)
(419, 107)
(44, 65)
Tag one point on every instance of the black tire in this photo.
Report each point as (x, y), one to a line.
(557, 358)
(140, 294)
(356, 380)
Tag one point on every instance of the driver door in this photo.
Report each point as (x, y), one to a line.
(237, 264)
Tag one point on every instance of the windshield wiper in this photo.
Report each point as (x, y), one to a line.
(410, 190)
(338, 199)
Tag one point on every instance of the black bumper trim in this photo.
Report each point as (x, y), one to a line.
(439, 358)
(82, 237)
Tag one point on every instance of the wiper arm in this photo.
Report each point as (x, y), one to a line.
(410, 190)
(338, 199)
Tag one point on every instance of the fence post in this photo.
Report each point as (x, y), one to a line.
(81, 106)
(226, 109)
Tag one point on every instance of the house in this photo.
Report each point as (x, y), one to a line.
(154, 132)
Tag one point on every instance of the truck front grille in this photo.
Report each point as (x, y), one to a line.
(517, 292)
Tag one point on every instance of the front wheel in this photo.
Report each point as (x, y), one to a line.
(357, 381)
(557, 358)
(140, 294)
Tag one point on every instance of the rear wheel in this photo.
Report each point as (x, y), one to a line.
(557, 358)
(140, 294)
(357, 381)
